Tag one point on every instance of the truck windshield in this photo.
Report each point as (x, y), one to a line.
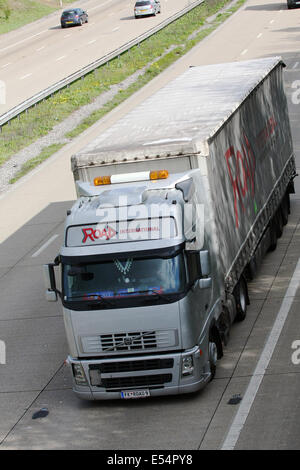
(107, 283)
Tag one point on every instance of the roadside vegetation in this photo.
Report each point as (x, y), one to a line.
(17, 13)
(153, 56)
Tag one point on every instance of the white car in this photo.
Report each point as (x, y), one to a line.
(146, 7)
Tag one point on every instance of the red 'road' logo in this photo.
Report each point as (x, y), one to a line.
(94, 234)
(241, 173)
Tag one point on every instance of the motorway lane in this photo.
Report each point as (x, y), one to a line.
(43, 53)
(205, 417)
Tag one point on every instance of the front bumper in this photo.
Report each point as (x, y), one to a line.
(135, 373)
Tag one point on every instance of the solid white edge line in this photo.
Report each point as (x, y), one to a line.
(43, 247)
(245, 406)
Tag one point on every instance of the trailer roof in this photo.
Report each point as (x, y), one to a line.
(180, 116)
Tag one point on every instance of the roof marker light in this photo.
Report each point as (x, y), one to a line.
(131, 177)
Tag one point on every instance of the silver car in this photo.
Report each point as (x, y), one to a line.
(146, 7)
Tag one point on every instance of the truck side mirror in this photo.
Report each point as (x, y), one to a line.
(49, 279)
(204, 263)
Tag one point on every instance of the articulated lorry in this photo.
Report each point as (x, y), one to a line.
(177, 204)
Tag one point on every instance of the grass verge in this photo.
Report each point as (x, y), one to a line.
(17, 13)
(33, 162)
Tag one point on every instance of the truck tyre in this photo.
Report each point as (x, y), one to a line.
(288, 202)
(285, 208)
(241, 298)
(273, 236)
(213, 353)
(251, 269)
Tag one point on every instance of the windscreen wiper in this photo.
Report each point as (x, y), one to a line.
(90, 302)
(154, 291)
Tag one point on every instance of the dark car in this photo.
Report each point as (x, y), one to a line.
(146, 7)
(293, 3)
(73, 16)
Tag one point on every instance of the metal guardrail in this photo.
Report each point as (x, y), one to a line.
(20, 108)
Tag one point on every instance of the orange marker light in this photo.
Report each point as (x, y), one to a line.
(159, 175)
(102, 180)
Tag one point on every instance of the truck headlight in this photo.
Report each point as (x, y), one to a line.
(79, 375)
(187, 366)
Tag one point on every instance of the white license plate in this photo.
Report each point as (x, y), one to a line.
(135, 394)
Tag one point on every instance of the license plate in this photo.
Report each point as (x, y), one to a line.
(135, 394)
(69, 22)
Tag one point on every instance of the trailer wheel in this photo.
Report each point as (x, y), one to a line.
(273, 236)
(288, 201)
(241, 298)
(279, 222)
(285, 208)
(251, 269)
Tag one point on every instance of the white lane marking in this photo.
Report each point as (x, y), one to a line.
(244, 51)
(5, 65)
(259, 35)
(67, 35)
(272, 21)
(25, 76)
(91, 42)
(115, 29)
(43, 247)
(295, 65)
(23, 40)
(245, 406)
(60, 58)
(40, 48)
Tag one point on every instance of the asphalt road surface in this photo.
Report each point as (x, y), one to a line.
(42, 53)
(258, 364)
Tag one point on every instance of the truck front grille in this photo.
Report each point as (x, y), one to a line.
(129, 341)
(138, 381)
(131, 366)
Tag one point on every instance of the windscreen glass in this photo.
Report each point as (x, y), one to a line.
(124, 278)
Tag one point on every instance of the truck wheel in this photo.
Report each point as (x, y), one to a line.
(241, 298)
(212, 354)
(251, 269)
(285, 209)
(273, 236)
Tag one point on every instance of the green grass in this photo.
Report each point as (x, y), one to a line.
(42, 118)
(30, 164)
(21, 12)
